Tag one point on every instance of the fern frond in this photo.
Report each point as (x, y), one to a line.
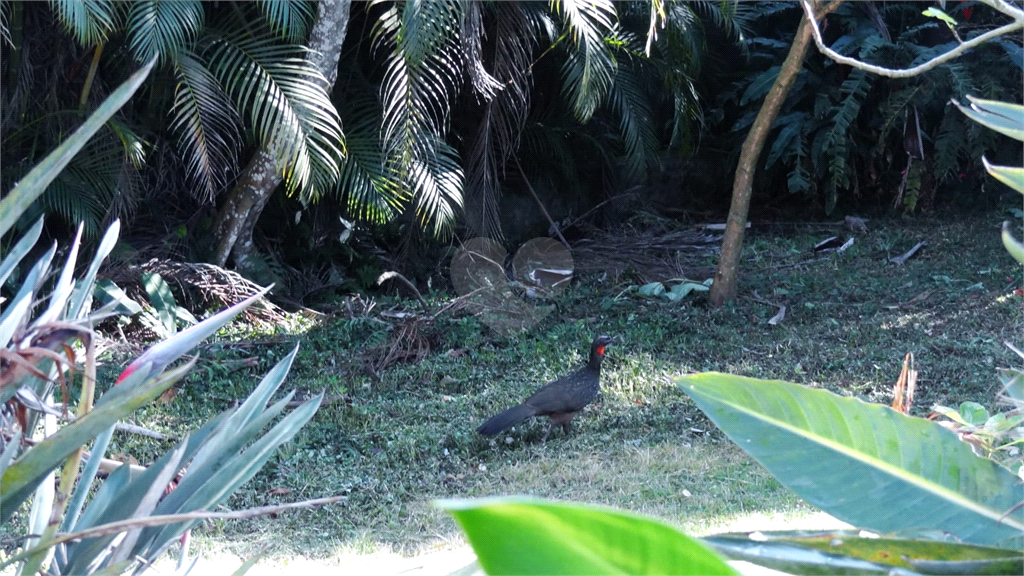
(855, 88)
(960, 81)
(759, 86)
(161, 28)
(799, 179)
(893, 112)
(949, 145)
(793, 127)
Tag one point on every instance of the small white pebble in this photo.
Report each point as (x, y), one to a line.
(686, 493)
(482, 468)
(446, 452)
(508, 439)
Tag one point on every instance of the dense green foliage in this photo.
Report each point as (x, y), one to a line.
(852, 138)
(438, 105)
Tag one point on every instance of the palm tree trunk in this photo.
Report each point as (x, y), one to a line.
(242, 208)
(724, 287)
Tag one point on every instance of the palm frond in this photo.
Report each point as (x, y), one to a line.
(205, 124)
(132, 144)
(370, 182)
(589, 69)
(426, 28)
(88, 186)
(89, 21)
(736, 18)
(421, 79)
(636, 119)
(679, 51)
(290, 19)
(503, 119)
(5, 27)
(438, 181)
(161, 28)
(472, 40)
(282, 95)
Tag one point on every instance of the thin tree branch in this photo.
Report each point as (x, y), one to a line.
(392, 274)
(1017, 24)
(160, 520)
(541, 204)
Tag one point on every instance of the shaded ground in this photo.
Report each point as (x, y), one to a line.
(398, 439)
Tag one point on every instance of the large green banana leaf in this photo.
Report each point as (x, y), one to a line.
(847, 552)
(519, 535)
(865, 464)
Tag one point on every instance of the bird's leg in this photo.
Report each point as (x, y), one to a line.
(551, 427)
(567, 427)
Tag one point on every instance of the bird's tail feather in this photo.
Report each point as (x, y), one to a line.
(506, 419)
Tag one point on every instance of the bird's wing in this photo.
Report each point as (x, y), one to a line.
(562, 395)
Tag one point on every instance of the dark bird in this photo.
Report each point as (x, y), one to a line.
(560, 400)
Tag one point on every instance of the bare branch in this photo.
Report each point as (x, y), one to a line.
(160, 520)
(541, 204)
(392, 274)
(1000, 5)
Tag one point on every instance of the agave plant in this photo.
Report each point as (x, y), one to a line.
(132, 517)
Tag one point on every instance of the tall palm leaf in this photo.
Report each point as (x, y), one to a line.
(290, 19)
(282, 95)
(589, 70)
(89, 21)
(90, 186)
(206, 125)
(421, 78)
(507, 93)
(631, 100)
(370, 181)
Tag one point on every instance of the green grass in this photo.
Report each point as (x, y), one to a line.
(405, 436)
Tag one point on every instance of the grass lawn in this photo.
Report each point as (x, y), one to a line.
(397, 439)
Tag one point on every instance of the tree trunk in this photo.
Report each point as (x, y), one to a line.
(237, 218)
(724, 287)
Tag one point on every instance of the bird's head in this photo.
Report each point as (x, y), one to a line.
(597, 349)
